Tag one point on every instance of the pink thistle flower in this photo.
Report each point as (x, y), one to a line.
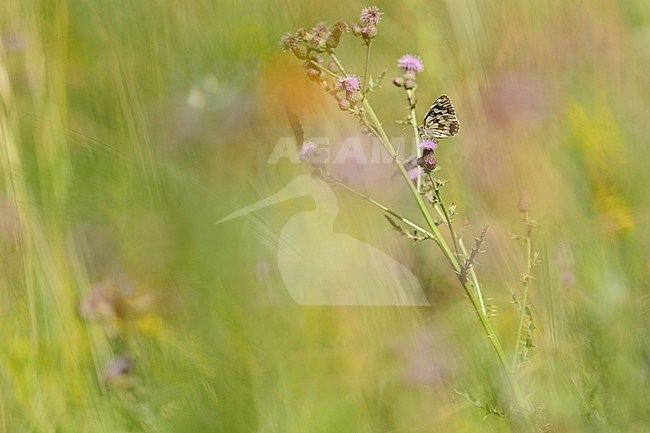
(350, 83)
(410, 63)
(428, 144)
(370, 15)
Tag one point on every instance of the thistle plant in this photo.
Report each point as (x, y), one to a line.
(316, 48)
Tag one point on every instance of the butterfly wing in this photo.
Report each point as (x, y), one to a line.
(441, 121)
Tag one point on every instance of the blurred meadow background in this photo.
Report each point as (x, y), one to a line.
(128, 128)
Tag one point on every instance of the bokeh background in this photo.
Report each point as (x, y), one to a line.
(129, 127)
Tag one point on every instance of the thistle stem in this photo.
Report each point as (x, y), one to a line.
(446, 216)
(377, 129)
(337, 62)
(410, 94)
(327, 71)
(474, 277)
(385, 209)
(365, 69)
(524, 301)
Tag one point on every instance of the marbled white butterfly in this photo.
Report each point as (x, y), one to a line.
(440, 121)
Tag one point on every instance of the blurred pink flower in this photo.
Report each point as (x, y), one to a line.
(307, 149)
(410, 63)
(413, 172)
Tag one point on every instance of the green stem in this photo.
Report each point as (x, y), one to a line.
(474, 277)
(379, 132)
(327, 71)
(337, 62)
(410, 94)
(383, 138)
(365, 69)
(446, 216)
(386, 209)
(524, 301)
(471, 294)
(472, 273)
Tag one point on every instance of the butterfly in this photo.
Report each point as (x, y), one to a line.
(440, 121)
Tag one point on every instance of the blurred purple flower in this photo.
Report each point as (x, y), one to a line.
(13, 41)
(370, 15)
(117, 366)
(307, 149)
(413, 173)
(568, 278)
(350, 83)
(410, 63)
(428, 144)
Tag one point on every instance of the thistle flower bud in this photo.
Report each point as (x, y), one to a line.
(321, 30)
(369, 32)
(335, 36)
(334, 39)
(410, 84)
(353, 96)
(301, 33)
(342, 26)
(356, 29)
(344, 105)
(398, 81)
(314, 74)
(331, 66)
(315, 42)
(300, 51)
(428, 160)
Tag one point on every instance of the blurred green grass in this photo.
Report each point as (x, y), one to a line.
(128, 128)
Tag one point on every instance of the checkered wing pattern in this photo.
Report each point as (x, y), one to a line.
(441, 120)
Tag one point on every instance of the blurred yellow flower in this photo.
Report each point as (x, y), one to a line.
(151, 325)
(598, 139)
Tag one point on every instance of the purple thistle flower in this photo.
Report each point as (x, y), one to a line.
(349, 83)
(370, 15)
(428, 144)
(307, 149)
(410, 63)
